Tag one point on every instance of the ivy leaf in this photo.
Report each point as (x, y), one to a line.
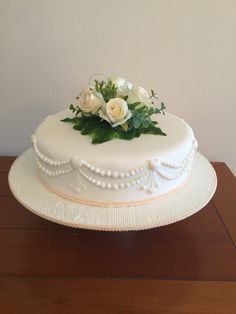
(100, 131)
(72, 120)
(129, 135)
(141, 109)
(152, 130)
(67, 120)
(101, 135)
(132, 106)
(80, 124)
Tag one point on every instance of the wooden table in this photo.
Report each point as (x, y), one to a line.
(187, 267)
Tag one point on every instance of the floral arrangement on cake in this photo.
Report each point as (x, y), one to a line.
(113, 108)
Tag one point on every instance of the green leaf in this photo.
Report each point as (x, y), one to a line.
(153, 94)
(102, 134)
(72, 120)
(129, 135)
(137, 123)
(151, 111)
(67, 120)
(152, 130)
(132, 106)
(88, 128)
(162, 108)
(102, 131)
(141, 109)
(145, 123)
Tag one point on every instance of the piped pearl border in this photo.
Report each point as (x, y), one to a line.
(44, 158)
(188, 159)
(51, 173)
(114, 185)
(150, 169)
(114, 174)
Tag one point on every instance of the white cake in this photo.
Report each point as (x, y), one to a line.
(119, 171)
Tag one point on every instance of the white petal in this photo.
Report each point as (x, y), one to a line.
(103, 116)
(129, 114)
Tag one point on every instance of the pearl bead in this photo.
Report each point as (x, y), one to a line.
(102, 173)
(127, 184)
(98, 183)
(122, 174)
(115, 174)
(115, 186)
(108, 173)
(108, 185)
(103, 185)
(77, 163)
(154, 164)
(127, 174)
(122, 185)
(97, 170)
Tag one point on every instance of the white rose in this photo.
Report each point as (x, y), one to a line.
(138, 94)
(115, 111)
(90, 101)
(121, 83)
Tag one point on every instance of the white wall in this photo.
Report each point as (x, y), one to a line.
(186, 49)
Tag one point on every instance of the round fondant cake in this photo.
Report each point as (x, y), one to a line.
(114, 161)
(113, 172)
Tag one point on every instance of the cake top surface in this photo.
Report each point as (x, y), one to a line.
(59, 141)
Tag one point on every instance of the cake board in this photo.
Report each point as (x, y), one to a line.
(193, 196)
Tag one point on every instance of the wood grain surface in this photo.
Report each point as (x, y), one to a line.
(73, 295)
(186, 267)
